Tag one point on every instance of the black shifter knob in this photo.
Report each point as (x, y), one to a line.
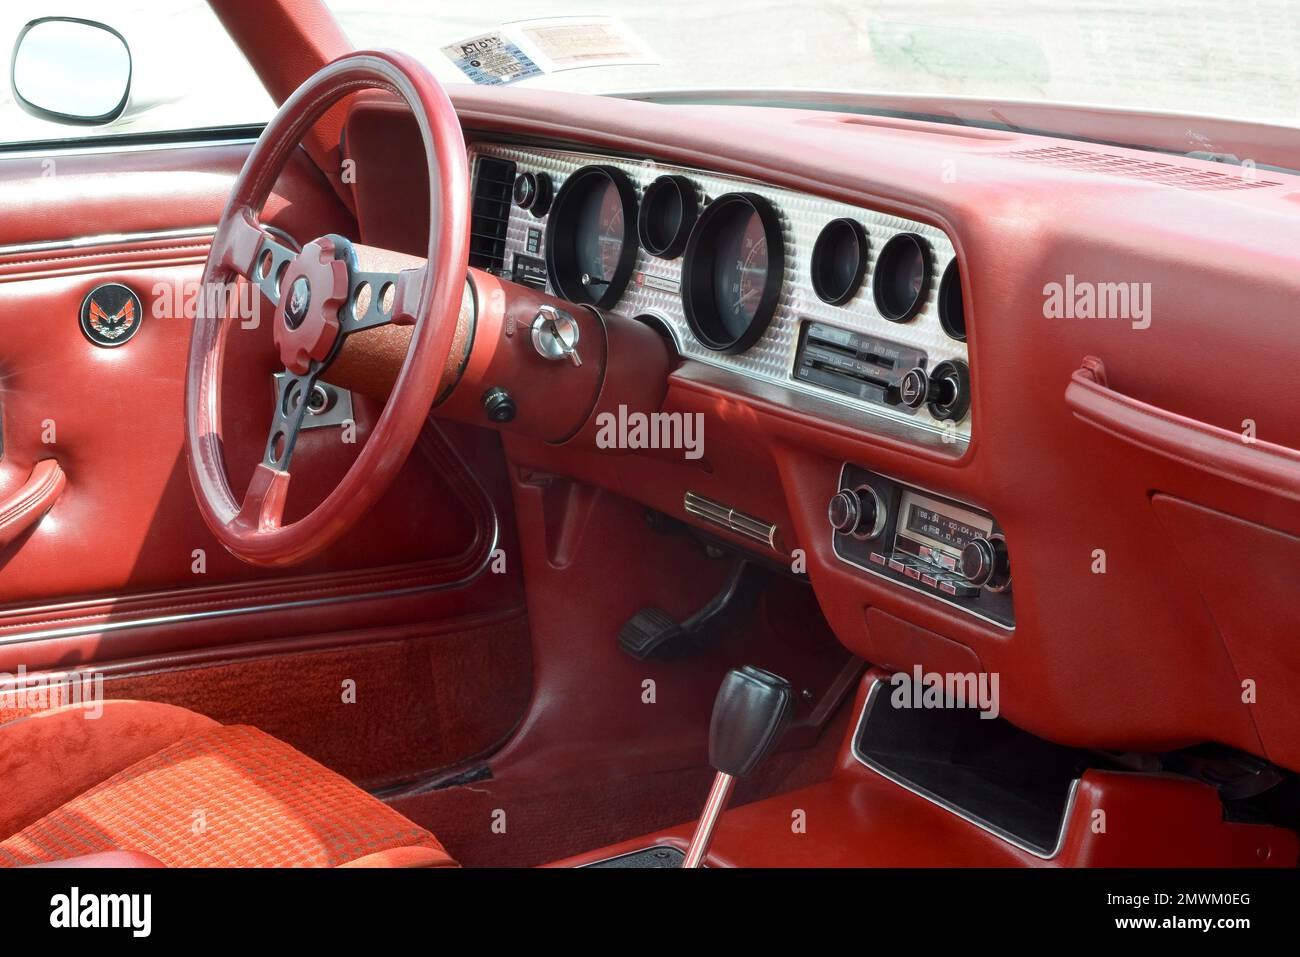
(751, 711)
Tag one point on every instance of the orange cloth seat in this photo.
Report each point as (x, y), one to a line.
(165, 782)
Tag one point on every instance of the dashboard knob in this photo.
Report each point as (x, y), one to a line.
(532, 191)
(949, 391)
(498, 405)
(913, 387)
(984, 562)
(844, 511)
(857, 512)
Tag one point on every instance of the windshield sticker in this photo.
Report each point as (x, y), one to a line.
(571, 43)
(492, 59)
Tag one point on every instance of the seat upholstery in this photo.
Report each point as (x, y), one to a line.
(165, 782)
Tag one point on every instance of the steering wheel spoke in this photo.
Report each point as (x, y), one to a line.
(379, 298)
(256, 255)
(291, 403)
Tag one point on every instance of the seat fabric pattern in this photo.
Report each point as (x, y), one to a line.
(229, 796)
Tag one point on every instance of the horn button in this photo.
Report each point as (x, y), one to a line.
(307, 318)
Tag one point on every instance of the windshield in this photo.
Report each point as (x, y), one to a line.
(1190, 56)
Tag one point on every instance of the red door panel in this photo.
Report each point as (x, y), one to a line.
(122, 578)
(123, 542)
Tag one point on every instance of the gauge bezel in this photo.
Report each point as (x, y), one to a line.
(670, 188)
(886, 269)
(561, 265)
(827, 244)
(699, 300)
(952, 305)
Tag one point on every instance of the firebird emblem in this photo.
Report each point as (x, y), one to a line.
(114, 326)
(111, 314)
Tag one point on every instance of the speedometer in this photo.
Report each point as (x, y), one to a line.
(734, 269)
(591, 236)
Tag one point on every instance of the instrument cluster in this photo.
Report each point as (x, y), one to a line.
(820, 296)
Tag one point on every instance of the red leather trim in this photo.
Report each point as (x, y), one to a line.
(1254, 463)
(140, 254)
(146, 191)
(29, 504)
(17, 623)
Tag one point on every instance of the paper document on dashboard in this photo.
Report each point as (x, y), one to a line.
(528, 48)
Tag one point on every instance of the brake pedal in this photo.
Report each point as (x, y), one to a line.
(647, 631)
(653, 633)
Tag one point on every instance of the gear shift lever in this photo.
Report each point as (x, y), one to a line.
(749, 715)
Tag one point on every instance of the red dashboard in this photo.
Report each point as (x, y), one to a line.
(1148, 495)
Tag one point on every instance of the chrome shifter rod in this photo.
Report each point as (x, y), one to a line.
(749, 716)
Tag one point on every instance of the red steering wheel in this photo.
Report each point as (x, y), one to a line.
(315, 297)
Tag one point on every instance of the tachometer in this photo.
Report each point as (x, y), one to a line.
(733, 271)
(591, 236)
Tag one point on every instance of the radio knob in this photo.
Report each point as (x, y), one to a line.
(949, 392)
(985, 562)
(912, 388)
(857, 512)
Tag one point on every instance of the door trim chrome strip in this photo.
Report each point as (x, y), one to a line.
(108, 239)
(75, 631)
(22, 151)
(181, 618)
(948, 805)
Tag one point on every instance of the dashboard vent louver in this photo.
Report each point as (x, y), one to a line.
(494, 181)
(1153, 171)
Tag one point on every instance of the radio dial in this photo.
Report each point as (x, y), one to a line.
(913, 388)
(984, 562)
(858, 512)
(949, 393)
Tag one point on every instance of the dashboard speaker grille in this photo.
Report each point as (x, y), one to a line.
(1153, 171)
(494, 181)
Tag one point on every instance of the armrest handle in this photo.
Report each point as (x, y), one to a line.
(26, 507)
(1199, 445)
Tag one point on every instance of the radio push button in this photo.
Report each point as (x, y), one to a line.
(956, 587)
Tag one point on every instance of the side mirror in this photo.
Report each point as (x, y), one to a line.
(71, 71)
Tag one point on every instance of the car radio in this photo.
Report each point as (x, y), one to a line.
(929, 543)
(881, 372)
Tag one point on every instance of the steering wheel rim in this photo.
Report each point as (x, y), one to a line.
(429, 298)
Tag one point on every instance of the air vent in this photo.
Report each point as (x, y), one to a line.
(1153, 171)
(494, 179)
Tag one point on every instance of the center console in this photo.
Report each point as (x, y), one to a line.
(951, 551)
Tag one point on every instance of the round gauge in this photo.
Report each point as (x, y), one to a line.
(668, 211)
(839, 261)
(902, 277)
(733, 271)
(591, 236)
